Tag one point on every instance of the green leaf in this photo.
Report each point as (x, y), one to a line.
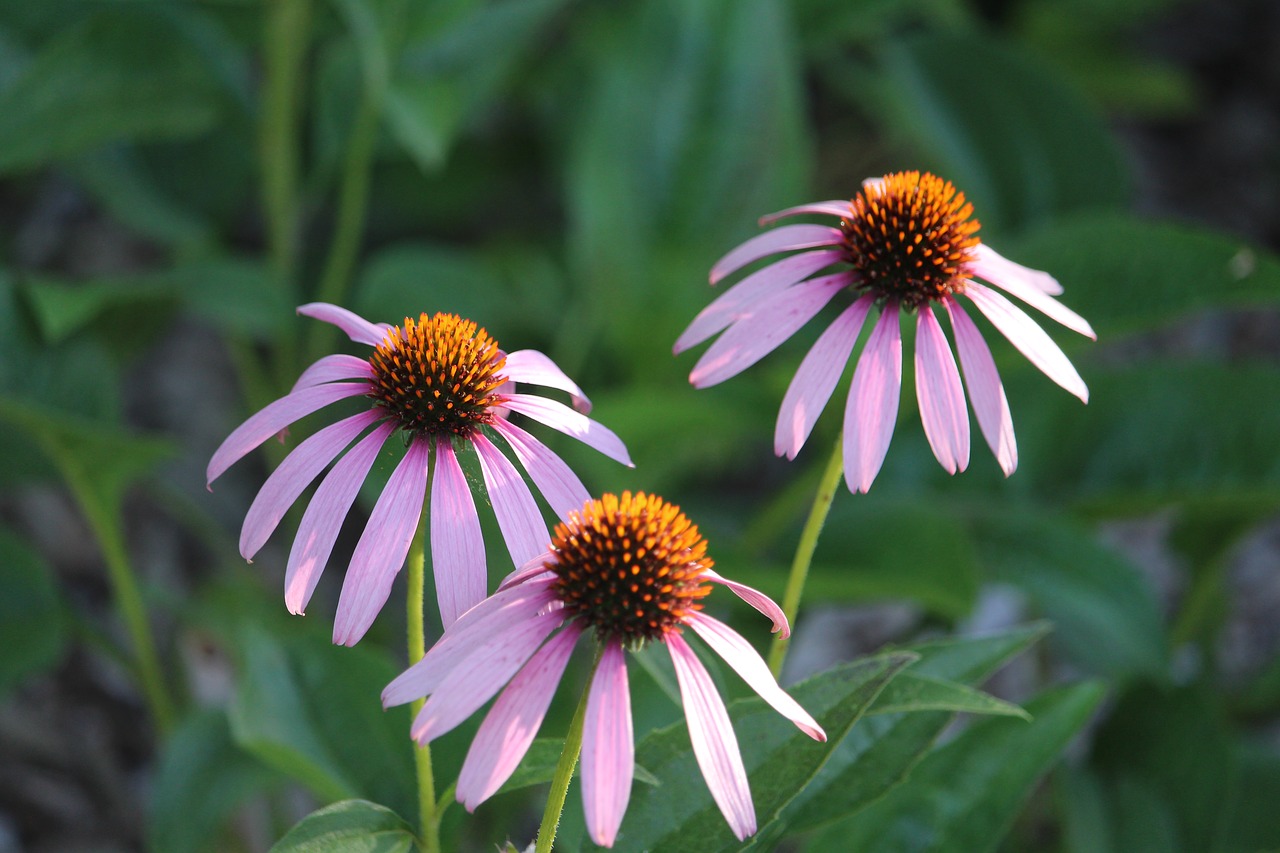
(447, 80)
(119, 181)
(1019, 141)
(351, 826)
(780, 761)
(1130, 275)
(1152, 434)
(94, 83)
(1255, 822)
(912, 692)
(881, 750)
(965, 794)
(63, 309)
(311, 711)
(201, 779)
(33, 625)
(1106, 617)
(916, 553)
(1176, 745)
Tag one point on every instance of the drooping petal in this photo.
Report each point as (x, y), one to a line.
(714, 744)
(608, 747)
(320, 524)
(518, 515)
(1038, 279)
(511, 724)
(556, 480)
(746, 661)
(334, 368)
(480, 674)
(531, 569)
(457, 545)
(382, 547)
(787, 238)
(560, 417)
(757, 599)
(533, 367)
(764, 328)
(295, 473)
(274, 417)
(985, 389)
(940, 395)
(497, 612)
(872, 408)
(356, 327)
(1034, 296)
(816, 379)
(835, 207)
(1028, 337)
(740, 298)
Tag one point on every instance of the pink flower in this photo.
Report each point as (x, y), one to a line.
(630, 570)
(906, 242)
(445, 386)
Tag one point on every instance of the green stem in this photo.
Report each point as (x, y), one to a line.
(429, 815)
(564, 769)
(804, 551)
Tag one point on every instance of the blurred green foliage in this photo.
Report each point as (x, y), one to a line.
(565, 173)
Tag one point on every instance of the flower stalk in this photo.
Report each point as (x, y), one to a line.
(564, 768)
(428, 812)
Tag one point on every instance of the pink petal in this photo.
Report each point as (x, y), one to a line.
(531, 569)
(556, 480)
(1028, 337)
(788, 238)
(533, 367)
(457, 545)
(985, 389)
(295, 473)
(761, 602)
(1034, 296)
(518, 516)
(761, 330)
(274, 417)
(816, 378)
(507, 731)
(383, 545)
(566, 420)
(334, 368)
(941, 398)
(608, 748)
(744, 295)
(480, 673)
(320, 524)
(835, 207)
(714, 744)
(500, 610)
(1041, 281)
(872, 408)
(747, 662)
(356, 327)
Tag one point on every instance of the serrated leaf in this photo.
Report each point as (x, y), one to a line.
(91, 84)
(780, 761)
(911, 692)
(200, 780)
(965, 794)
(33, 629)
(882, 748)
(351, 826)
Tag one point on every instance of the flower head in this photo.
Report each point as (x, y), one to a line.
(906, 242)
(630, 571)
(445, 386)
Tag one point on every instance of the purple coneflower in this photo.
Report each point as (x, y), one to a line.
(445, 385)
(906, 242)
(630, 570)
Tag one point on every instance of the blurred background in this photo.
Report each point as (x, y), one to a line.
(176, 177)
